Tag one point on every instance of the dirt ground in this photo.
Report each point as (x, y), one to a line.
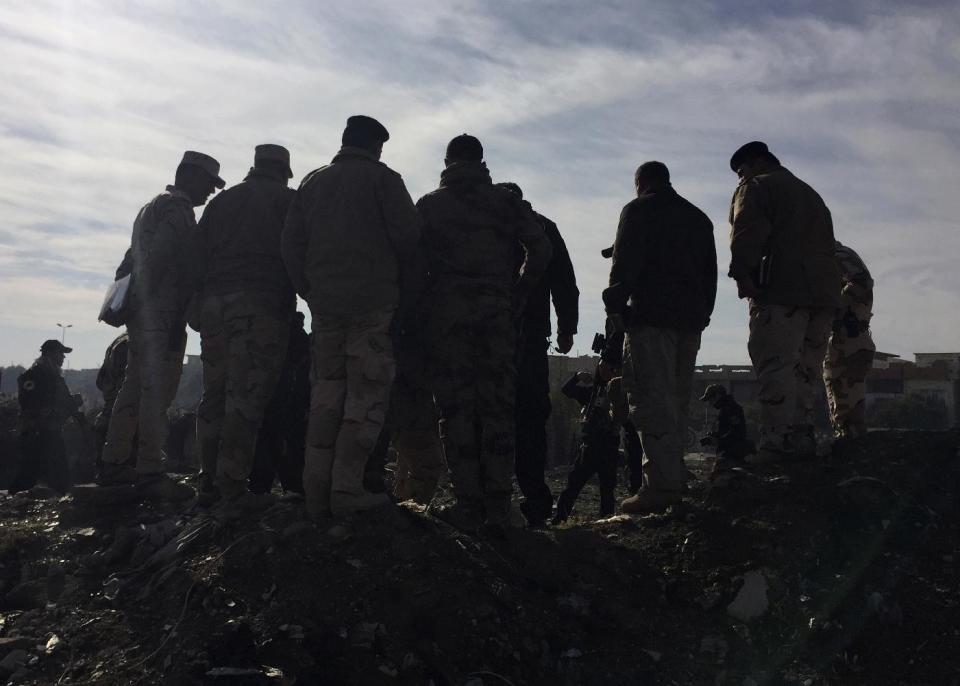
(843, 571)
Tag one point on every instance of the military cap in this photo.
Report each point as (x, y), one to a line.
(268, 152)
(712, 392)
(749, 151)
(465, 147)
(363, 130)
(54, 346)
(206, 163)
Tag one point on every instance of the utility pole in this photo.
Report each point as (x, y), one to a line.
(63, 332)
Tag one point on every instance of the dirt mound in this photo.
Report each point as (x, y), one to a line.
(833, 572)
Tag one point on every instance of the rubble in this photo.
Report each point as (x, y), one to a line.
(781, 576)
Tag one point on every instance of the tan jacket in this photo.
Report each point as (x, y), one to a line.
(164, 252)
(351, 229)
(777, 214)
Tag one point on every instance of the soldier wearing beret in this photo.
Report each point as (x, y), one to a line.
(782, 258)
(349, 242)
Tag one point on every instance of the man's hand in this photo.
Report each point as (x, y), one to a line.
(746, 288)
(564, 343)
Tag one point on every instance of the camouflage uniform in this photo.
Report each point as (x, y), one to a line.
(470, 232)
(351, 230)
(850, 349)
(164, 272)
(109, 380)
(244, 320)
(776, 216)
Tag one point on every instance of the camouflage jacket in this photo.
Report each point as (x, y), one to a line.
(350, 234)
(470, 232)
(856, 294)
(777, 214)
(164, 253)
(114, 368)
(239, 236)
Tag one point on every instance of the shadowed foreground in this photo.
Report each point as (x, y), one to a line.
(843, 574)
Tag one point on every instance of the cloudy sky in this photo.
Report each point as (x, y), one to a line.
(861, 99)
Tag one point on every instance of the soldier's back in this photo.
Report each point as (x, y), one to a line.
(470, 237)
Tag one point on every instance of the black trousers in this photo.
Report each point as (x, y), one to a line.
(598, 455)
(279, 454)
(43, 457)
(532, 411)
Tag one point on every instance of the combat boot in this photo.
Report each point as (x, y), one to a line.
(343, 504)
(649, 501)
(159, 486)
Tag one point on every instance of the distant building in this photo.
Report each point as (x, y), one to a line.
(934, 376)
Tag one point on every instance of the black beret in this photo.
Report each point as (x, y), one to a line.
(465, 147)
(749, 151)
(364, 130)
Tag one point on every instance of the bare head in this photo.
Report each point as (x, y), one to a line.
(463, 148)
(651, 176)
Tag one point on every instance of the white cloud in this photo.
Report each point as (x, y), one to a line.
(100, 100)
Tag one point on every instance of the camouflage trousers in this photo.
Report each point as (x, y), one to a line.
(787, 345)
(412, 423)
(845, 369)
(472, 349)
(154, 364)
(658, 366)
(351, 372)
(243, 341)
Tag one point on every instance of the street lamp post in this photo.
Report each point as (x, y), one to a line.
(63, 332)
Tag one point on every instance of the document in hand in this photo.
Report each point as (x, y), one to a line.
(116, 304)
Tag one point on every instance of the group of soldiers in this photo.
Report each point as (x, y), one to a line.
(431, 326)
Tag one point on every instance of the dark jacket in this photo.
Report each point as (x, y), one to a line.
(239, 236)
(350, 232)
(560, 283)
(777, 214)
(45, 401)
(731, 430)
(665, 260)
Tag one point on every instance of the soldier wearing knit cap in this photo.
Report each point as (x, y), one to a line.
(162, 260)
(470, 233)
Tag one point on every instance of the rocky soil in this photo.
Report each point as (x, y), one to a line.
(843, 571)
